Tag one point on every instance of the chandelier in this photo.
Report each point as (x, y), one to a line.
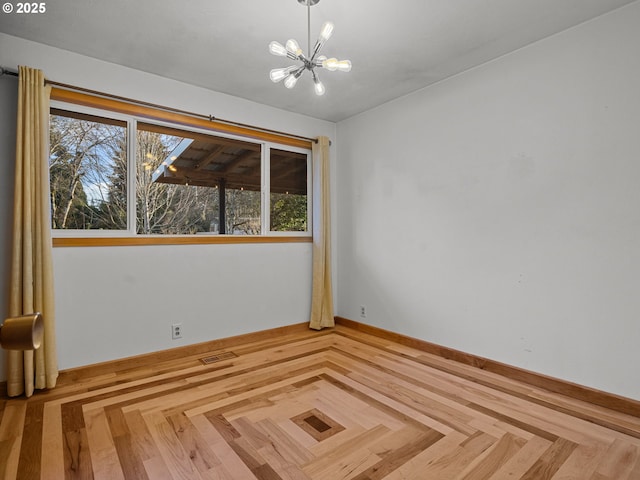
(292, 50)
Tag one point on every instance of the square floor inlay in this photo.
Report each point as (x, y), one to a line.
(317, 424)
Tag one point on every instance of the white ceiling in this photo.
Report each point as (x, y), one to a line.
(396, 47)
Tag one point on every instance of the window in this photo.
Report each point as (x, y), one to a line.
(189, 183)
(115, 175)
(88, 172)
(288, 187)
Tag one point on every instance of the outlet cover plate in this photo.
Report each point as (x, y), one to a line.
(176, 331)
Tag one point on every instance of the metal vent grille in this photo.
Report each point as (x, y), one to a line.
(218, 357)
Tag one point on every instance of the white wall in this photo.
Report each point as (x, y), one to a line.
(113, 302)
(498, 212)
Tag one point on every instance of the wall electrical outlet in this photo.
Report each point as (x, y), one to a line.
(363, 311)
(176, 331)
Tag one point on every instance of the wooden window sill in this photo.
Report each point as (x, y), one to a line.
(174, 240)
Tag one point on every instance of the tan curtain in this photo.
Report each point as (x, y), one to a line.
(31, 284)
(322, 294)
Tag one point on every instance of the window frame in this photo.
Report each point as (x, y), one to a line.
(89, 233)
(89, 237)
(266, 190)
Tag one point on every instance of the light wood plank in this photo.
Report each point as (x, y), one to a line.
(176, 459)
(11, 437)
(102, 448)
(523, 460)
(52, 442)
(618, 462)
(415, 466)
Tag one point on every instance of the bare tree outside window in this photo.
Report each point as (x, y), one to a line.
(88, 172)
(181, 176)
(167, 208)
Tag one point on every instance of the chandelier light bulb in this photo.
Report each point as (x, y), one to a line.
(292, 79)
(330, 64)
(344, 65)
(293, 47)
(319, 87)
(278, 74)
(326, 31)
(278, 49)
(319, 60)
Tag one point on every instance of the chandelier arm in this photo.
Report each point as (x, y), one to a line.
(316, 49)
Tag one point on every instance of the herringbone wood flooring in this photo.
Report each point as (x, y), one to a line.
(331, 405)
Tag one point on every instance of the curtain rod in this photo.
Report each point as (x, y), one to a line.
(5, 71)
(211, 118)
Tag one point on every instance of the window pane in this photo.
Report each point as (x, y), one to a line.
(288, 177)
(189, 183)
(88, 171)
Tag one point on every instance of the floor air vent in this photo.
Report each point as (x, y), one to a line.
(218, 357)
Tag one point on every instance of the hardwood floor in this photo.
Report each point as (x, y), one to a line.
(335, 404)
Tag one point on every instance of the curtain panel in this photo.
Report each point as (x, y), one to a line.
(322, 290)
(31, 281)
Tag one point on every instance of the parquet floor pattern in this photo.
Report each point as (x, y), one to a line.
(328, 405)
